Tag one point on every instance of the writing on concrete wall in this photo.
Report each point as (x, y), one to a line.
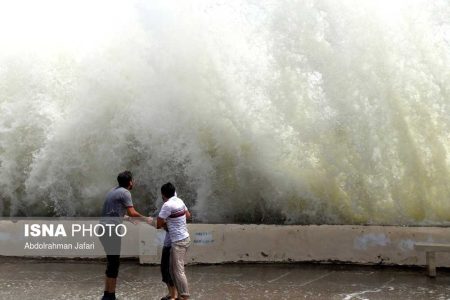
(203, 238)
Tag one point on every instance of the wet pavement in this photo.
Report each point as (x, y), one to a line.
(60, 279)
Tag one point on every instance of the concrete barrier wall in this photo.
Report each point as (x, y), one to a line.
(228, 243)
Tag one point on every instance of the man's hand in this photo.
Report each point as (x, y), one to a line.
(160, 223)
(131, 220)
(149, 221)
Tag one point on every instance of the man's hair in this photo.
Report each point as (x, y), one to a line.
(168, 190)
(124, 179)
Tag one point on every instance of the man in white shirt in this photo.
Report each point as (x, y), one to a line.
(174, 213)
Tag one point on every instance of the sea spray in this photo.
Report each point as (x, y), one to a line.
(258, 111)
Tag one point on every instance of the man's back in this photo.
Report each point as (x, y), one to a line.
(116, 202)
(174, 212)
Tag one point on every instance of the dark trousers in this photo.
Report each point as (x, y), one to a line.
(165, 266)
(112, 266)
(112, 246)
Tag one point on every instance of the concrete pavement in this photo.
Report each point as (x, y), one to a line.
(67, 279)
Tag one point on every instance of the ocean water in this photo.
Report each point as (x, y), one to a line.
(290, 112)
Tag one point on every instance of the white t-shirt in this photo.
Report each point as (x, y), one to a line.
(173, 212)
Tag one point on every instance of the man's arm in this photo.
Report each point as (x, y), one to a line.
(162, 216)
(134, 214)
(187, 212)
(160, 223)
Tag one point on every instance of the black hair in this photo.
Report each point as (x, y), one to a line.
(124, 179)
(168, 190)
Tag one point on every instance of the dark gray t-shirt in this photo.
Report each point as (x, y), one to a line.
(116, 202)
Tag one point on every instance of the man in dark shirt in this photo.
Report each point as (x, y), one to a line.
(118, 202)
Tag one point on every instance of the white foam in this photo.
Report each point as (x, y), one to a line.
(312, 111)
